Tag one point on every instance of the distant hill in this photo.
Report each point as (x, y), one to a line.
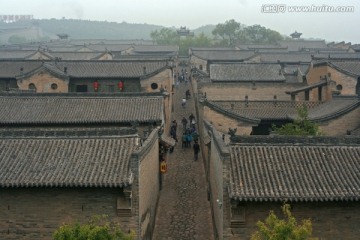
(82, 29)
(207, 30)
(78, 29)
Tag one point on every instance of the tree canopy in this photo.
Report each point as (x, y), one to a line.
(168, 36)
(232, 32)
(301, 126)
(274, 228)
(98, 228)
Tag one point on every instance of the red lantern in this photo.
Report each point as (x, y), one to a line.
(121, 85)
(96, 86)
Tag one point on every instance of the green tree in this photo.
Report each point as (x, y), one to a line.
(274, 228)
(17, 39)
(258, 34)
(302, 126)
(227, 31)
(98, 228)
(165, 36)
(200, 40)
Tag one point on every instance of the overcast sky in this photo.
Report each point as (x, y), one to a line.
(331, 26)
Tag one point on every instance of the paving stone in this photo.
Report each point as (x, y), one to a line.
(185, 185)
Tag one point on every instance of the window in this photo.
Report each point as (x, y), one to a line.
(54, 86)
(154, 86)
(81, 88)
(339, 87)
(307, 95)
(111, 88)
(32, 87)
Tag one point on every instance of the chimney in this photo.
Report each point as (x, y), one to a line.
(144, 70)
(65, 69)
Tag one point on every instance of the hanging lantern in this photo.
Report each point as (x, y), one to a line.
(96, 86)
(163, 167)
(121, 85)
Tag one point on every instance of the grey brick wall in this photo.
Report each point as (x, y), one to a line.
(35, 213)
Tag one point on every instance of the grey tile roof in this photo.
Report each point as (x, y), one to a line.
(77, 55)
(289, 172)
(337, 56)
(352, 67)
(11, 69)
(15, 54)
(226, 55)
(83, 69)
(79, 110)
(109, 41)
(155, 48)
(262, 110)
(110, 47)
(246, 72)
(111, 68)
(64, 162)
(333, 109)
(282, 57)
(308, 87)
(297, 45)
(65, 132)
(260, 46)
(356, 47)
(212, 49)
(290, 69)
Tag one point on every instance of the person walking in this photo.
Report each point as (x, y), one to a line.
(183, 102)
(188, 140)
(184, 123)
(183, 138)
(187, 94)
(191, 117)
(173, 133)
(196, 148)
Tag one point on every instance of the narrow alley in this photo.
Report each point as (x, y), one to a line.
(184, 211)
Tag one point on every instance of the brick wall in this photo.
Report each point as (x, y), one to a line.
(330, 220)
(43, 82)
(223, 123)
(35, 213)
(348, 83)
(197, 62)
(238, 91)
(130, 85)
(164, 79)
(145, 188)
(149, 189)
(339, 126)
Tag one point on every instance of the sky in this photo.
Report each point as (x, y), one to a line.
(313, 18)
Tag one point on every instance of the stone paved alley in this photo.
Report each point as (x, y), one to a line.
(183, 211)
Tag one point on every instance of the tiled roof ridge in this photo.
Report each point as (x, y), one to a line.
(294, 173)
(45, 66)
(334, 65)
(298, 140)
(53, 174)
(83, 95)
(67, 132)
(220, 109)
(340, 112)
